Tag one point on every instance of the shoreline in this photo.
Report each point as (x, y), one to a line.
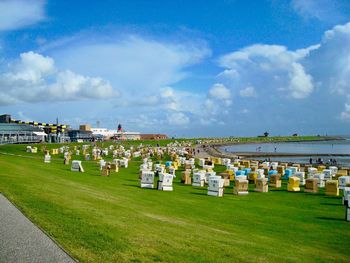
(273, 154)
(215, 151)
(322, 139)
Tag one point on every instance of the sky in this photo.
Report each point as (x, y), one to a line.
(184, 68)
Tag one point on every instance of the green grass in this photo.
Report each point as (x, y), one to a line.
(110, 219)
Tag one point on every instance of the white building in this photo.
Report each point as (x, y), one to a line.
(103, 132)
(119, 135)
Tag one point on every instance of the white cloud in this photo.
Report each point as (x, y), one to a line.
(72, 86)
(345, 115)
(219, 91)
(168, 99)
(134, 64)
(178, 119)
(300, 84)
(271, 68)
(209, 105)
(145, 121)
(330, 63)
(207, 121)
(168, 105)
(276, 73)
(35, 78)
(144, 70)
(213, 107)
(323, 10)
(248, 92)
(222, 123)
(16, 14)
(167, 92)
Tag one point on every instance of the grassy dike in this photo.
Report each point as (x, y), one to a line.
(276, 139)
(110, 219)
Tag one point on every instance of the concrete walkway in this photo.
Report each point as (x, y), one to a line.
(202, 153)
(22, 241)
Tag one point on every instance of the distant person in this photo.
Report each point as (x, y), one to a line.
(310, 161)
(275, 149)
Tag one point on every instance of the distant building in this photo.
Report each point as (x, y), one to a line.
(153, 136)
(118, 134)
(5, 118)
(11, 132)
(80, 136)
(121, 135)
(105, 133)
(85, 127)
(49, 132)
(20, 133)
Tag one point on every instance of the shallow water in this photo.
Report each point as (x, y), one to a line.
(308, 148)
(341, 161)
(325, 147)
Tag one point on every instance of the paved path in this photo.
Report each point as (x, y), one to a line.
(202, 153)
(22, 241)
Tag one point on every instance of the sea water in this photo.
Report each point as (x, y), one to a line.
(328, 149)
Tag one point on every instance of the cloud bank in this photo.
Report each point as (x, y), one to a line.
(16, 14)
(322, 10)
(258, 86)
(275, 74)
(34, 78)
(272, 66)
(131, 62)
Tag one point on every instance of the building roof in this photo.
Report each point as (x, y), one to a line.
(79, 131)
(14, 127)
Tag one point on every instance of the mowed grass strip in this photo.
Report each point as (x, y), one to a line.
(110, 219)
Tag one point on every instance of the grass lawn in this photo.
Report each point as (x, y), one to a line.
(111, 219)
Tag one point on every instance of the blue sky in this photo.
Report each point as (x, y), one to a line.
(185, 68)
